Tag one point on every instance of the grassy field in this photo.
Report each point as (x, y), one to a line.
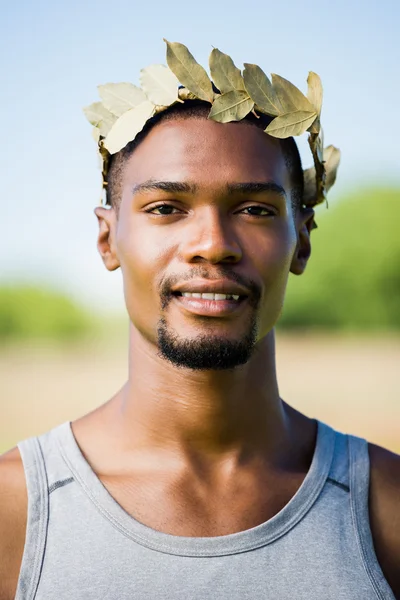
(350, 383)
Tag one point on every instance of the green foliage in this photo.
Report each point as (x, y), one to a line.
(353, 278)
(28, 312)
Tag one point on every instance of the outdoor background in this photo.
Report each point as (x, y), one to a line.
(63, 330)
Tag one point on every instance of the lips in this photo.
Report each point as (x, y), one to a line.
(211, 307)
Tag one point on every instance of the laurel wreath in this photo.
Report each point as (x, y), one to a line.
(125, 108)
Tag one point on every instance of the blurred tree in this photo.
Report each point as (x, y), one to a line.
(353, 278)
(30, 312)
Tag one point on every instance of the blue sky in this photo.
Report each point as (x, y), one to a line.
(54, 54)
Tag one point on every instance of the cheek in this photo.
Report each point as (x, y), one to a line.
(273, 260)
(273, 253)
(141, 258)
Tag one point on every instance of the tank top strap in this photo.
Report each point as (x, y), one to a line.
(45, 471)
(339, 470)
(359, 477)
(37, 518)
(58, 472)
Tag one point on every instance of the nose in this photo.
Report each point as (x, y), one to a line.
(210, 237)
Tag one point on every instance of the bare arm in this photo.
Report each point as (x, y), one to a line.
(13, 517)
(384, 508)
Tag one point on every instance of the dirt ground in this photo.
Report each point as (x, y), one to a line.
(350, 383)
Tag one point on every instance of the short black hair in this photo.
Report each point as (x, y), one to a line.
(200, 109)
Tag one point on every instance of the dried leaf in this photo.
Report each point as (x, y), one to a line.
(316, 143)
(315, 92)
(188, 71)
(331, 164)
(185, 94)
(159, 109)
(96, 134)
(95, 113)
(332, 160)
(224, 73)
(293, 123)
(128, 126)
(159, 84)
(100, 117)
(104, 152)
(232, 106)
(291, 98)
(315, 127)
(120, 97)
(319, 145)
(105, 156)
(261, 91)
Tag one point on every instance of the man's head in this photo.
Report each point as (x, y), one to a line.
(198, 203)
(200, 110)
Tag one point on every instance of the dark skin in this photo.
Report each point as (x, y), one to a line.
(197, 442)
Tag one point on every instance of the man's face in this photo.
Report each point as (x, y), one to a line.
(192, 214)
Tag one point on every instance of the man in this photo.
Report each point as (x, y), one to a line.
(196, 480)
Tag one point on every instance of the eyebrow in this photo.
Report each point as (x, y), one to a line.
(173, 187)
(180, 187)
(256, 188)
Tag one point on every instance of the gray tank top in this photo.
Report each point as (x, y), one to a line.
(81, 544)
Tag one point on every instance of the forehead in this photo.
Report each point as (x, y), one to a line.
(207, 153)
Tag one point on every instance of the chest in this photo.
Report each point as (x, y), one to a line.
(184, 507)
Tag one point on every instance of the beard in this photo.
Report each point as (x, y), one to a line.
(206, 352)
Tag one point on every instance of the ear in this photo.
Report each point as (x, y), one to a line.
(106, 238)
(304, 224)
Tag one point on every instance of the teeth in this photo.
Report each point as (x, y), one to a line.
(210, 296)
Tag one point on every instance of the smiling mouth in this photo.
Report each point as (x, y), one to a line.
(210, 304)
(210, 296)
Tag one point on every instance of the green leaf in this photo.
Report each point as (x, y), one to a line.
(261, 91)
(159, 84)
(120, 97)
(291, 98)
(315, 92)
(233, 106)
(293, 123)
(126, 128)
(224, 73)
(188, 71)
(100, 117)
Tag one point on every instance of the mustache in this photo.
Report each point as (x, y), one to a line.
(202, 273)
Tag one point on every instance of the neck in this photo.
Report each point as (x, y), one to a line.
(207, 413)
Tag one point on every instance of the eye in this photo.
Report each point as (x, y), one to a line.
(164, 210)
(259, 211)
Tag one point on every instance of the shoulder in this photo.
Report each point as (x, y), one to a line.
(13, 517)
(384, 509)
